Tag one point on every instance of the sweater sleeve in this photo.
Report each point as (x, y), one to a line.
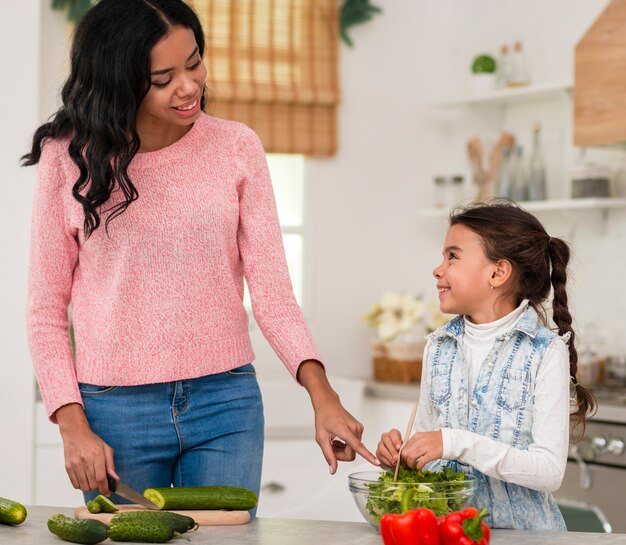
(265, 268)
(542, 465)
(53, 256)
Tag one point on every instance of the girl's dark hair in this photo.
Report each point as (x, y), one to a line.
(109, 78)
(539, 262)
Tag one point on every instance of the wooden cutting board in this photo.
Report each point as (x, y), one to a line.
(202, 517)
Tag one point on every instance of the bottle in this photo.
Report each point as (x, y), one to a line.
(536, 169)
(505, 175)
(504, 66)
(520, 75)
(519, 185)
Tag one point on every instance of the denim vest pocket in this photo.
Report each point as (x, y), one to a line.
(514, 389)
(93, 389)
(246, 370)
(440, 383)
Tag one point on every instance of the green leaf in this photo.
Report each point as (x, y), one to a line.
(76, 9)
(354, 12)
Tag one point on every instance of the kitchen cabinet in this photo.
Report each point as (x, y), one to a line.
(600, 64)
(296, 483)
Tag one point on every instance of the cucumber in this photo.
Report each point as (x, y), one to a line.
(77, 531)
(142, 531)
(11, 512)
(202, 497)
(180, 523)
(93, 507)
(106, 505)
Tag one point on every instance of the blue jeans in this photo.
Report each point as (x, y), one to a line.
(206, 431)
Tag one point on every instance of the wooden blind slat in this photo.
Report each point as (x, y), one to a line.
(273, 64)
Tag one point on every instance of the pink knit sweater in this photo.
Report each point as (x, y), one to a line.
(160, 299)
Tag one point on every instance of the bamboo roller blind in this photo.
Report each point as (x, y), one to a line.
(273, 65)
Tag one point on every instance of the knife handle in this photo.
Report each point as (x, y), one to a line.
(112, 483)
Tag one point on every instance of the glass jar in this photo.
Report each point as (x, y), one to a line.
(440, 197)
(455, 194)
(449, 191)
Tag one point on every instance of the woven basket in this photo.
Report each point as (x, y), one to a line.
(397, 362)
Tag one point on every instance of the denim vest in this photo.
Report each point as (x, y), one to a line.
(499, 407)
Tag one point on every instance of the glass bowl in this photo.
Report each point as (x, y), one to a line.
(374, 498)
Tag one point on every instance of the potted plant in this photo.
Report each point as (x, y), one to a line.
(483, 76)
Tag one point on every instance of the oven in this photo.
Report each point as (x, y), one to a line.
(593, 494)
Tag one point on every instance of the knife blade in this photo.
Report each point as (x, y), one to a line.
(128, 493)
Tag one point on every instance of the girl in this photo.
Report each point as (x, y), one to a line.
(496, 380)
(148, 215)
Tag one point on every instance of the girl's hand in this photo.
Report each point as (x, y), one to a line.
(337, 432)
(389, 447)
(422, 448)
(88, 459)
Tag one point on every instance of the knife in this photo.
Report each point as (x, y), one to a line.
(127, 492)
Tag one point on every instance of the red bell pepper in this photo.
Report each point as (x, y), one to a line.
(465, 528)
(412, 527)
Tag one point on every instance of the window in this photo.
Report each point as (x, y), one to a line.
(287, 172)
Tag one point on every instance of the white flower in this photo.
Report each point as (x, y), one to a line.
(396, 313)
(387, 331)
(391, 300)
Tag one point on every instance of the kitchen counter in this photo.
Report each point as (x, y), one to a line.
(608, 410)
(286, 532)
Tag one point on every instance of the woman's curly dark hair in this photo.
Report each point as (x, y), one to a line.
(109, 78)
(539, 264)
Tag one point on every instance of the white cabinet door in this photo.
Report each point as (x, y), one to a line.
(296, 483)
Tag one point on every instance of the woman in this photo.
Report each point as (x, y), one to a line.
(148, 215)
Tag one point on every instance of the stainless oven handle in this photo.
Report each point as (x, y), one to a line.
(584, 475)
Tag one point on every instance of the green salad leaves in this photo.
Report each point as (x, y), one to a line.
(442, 491)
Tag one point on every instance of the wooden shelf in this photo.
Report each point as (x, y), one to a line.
(546, 206)
(512, 95)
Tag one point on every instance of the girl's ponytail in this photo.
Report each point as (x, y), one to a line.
(559, 254)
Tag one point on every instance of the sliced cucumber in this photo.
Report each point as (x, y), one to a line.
(106, 505)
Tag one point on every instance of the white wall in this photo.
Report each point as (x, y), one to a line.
(19, 100)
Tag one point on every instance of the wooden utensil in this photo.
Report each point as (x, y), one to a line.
(205, 517)
(406, 438)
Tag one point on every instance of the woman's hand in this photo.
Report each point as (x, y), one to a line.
(423, 447)
(88, 459)
(389, 447)
(337, 432)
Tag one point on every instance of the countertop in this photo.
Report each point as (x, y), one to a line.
(608, 410)
(287, 532)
